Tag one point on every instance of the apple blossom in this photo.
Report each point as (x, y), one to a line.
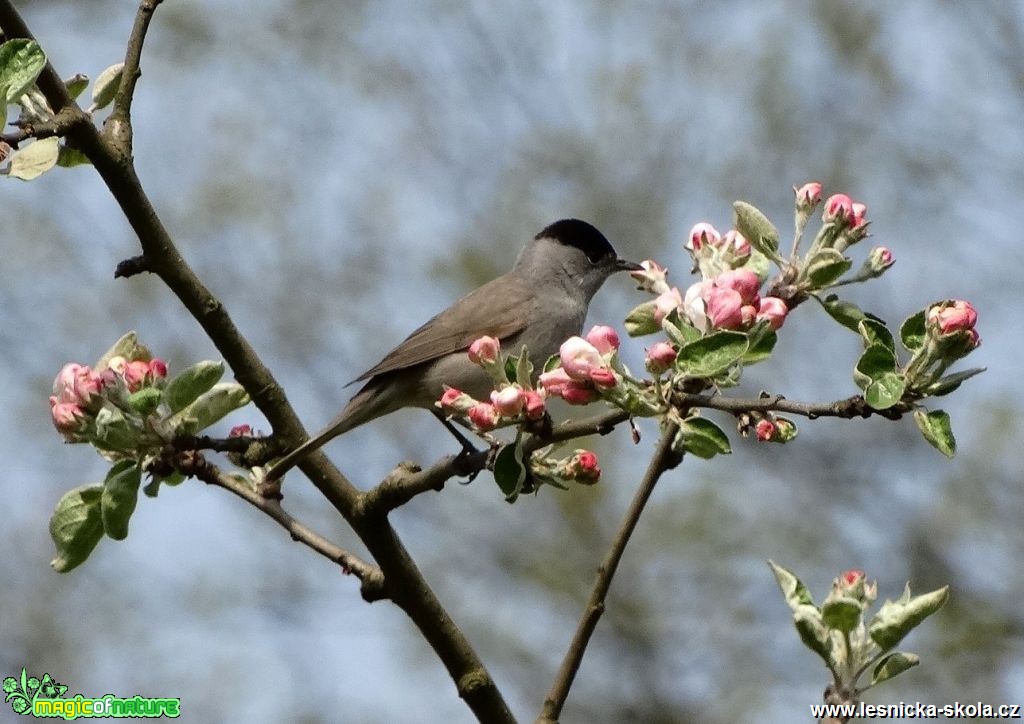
(774, 310)
(583, 468)
(765, 430)
(666, 303)
(484, 416)
(743, 281)
(723, 308)
(859, 214)
(484, 350)
(839, 207)
(652, 277)
(659, 357)
(953, 316)
(808, 196)
(242, 430)
(68, 417)
(604, 338)
(603, 377)
(555, 381)
(533, 404)
(579, 358)
(703, 233)
(455, 400)
(579, 393)
(508, 401)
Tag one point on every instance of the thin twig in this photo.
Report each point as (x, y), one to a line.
(848, 408)
(118, 128)
(664, 457)
(370, 576)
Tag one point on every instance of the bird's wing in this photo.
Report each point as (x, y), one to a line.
(484, 311)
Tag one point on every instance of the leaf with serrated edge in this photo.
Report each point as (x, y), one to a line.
(119, 498)
(896, 619)
(703, 438)
(711, 355)
(21, 62)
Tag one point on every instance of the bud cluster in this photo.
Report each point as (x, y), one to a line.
(948, 335)
(850, 643)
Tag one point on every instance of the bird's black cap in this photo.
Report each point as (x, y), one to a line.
(580, 234)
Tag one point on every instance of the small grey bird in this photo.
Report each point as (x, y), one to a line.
(540, 303)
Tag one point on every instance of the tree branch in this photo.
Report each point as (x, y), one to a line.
(848, 408)
(404, 583)
(664, 458)
(118, 127)
(370, 576)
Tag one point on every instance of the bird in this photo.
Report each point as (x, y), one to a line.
(539, 304)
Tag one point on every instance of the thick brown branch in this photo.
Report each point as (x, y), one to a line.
(664, 458)
(405, 584)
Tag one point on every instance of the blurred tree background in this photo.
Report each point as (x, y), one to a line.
(337, 172)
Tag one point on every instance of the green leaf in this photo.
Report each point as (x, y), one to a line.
(640, 321)
(874, 331)
(106, 85)
(756, 227)
(761, 346)
(76, 526)
(145, 400)
(524, 370)
(711, 355)
(553, 362)
(509, 470)
(21, 62)
(757, 263)
(841, 613)
(128, 347)
(76, 84)
(912, 332)
(937, 430)
(183, 389)
(679, 333)
(119, 497)
(893, 665)
(876, 361)
(812, 631)
(210, 407)
(825, 267)
(846, 313)
(895, 619)
(793, 589)
(35, 159)
(703, 438)
(885, 390)
(113, 431)
(70, 157)
(950, 382)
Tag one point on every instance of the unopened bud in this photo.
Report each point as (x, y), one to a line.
(773, 310)
(659, 358)
(579, 358)
(455, 401)
(484, 416)
(652, 277)
(508, 401)
(484, 351)
(808, 196)
(701, 234)
(533, 404)
(603, 378)
(604, 339)
(583, 468)
(839, 208)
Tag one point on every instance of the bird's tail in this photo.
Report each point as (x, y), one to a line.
(361, 408)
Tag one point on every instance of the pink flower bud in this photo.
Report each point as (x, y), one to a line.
(652, 277)
(852, 577)
(603, 378)
(701, 234)
(765, 430)
(579, 393)
(860, 212)
(659, 357)
(604, 338)
(77, 384)
(135, 374)
(723, 308)
(808, 196)
(839, 208)
(157, 369)
(456, 401)
(484, 351)
(666, 303)
(953, 316)
(743, 281)
(534, 405)
(579, 358)
(240, 431)
(554, 382)
(484, 416)
(735, 246)
(748, 313)
(774, 310)
(68, 417)
(583, 468)
(508, 401)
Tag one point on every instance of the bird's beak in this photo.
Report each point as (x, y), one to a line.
(623, 265)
